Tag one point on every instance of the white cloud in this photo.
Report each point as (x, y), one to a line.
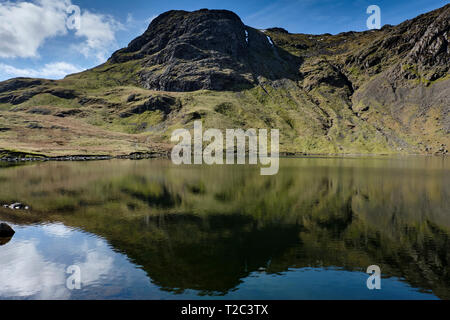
(55, 70)
(138, 24)
(57, 230)
(31, 275)
(99, 31)
(26, 25)
(29, 270)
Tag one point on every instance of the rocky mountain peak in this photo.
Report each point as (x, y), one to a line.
(204, 49)
(218, 30)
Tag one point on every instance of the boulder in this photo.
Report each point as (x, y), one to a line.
(16, 206)
(6, 231)
(4, 241)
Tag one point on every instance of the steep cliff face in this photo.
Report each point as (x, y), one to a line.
(396, 80)
(379, 91)
(206, 49)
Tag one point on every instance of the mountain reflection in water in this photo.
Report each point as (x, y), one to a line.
(148, 229)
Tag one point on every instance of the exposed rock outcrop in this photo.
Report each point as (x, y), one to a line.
(6, 231)
(205, 49)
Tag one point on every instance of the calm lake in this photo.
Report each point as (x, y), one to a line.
(151, 230)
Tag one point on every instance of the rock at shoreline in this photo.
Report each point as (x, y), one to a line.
(4, 241)
(16, 206)
(6, 231)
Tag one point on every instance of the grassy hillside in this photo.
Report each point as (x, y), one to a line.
(375, 92)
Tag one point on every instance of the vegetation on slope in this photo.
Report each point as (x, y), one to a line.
(374, 92)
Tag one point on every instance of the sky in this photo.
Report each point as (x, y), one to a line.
(46, 39)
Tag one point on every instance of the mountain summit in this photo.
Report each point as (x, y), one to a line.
(205, 49)
(379, 91)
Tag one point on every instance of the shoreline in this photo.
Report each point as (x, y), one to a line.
(42, 158)
(25, 157)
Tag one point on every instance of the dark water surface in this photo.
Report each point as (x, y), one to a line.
(150, 230)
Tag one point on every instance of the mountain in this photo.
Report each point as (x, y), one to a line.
(374, 92)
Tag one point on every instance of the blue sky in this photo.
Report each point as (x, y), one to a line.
(35, 40)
